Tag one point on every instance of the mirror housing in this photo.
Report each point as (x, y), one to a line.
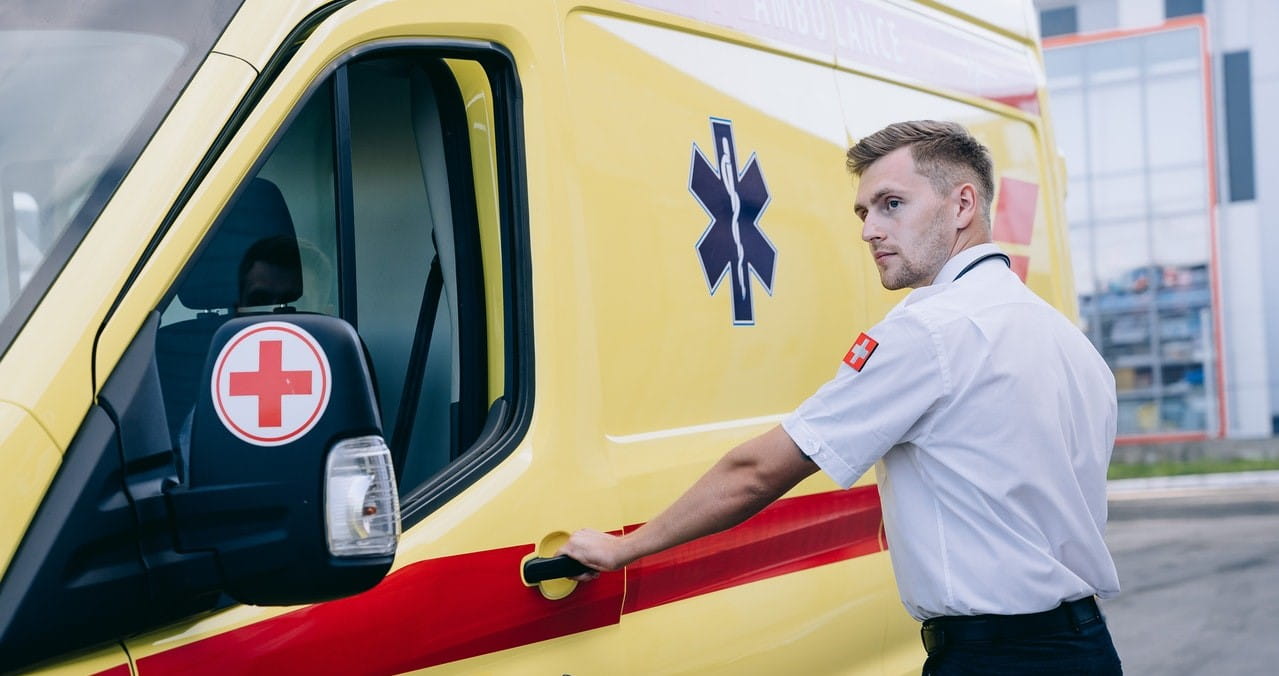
(144, 526)
(289, 482)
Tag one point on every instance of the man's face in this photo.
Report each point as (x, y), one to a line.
(267, 284)
(904, 221)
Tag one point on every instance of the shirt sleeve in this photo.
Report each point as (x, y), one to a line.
(857, 416)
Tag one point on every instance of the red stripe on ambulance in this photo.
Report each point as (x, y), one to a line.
(793, 535)
(451, 608)
(427, 613)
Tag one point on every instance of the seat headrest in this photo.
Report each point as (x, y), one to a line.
(252, 258)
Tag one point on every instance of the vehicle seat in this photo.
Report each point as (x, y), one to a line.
(251, 259)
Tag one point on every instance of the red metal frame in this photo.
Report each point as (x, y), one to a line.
(1134, 439)
(1219, 366)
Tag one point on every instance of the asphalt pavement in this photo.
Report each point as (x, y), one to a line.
(1198, 562)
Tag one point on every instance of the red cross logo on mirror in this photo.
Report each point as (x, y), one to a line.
(271, 383)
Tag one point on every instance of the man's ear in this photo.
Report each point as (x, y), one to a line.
(965, 206)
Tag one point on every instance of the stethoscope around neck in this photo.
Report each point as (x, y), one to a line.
(979, 261)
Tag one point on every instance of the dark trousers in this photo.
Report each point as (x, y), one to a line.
(1082, 649)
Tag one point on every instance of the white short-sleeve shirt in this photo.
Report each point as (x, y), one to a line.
(990, 419)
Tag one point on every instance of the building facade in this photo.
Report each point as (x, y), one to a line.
(1158, 107)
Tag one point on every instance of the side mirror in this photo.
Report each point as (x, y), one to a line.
(290, 482)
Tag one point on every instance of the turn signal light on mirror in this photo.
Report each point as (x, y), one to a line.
(362, 508)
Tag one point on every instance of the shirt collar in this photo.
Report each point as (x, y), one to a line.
(962, 259)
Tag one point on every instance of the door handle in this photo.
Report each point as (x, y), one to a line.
(542, 569)
(548, 572)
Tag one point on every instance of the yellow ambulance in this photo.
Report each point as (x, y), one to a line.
(320, 319)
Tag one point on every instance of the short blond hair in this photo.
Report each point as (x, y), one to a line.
(945, 152)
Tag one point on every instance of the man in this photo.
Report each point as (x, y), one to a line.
(988, 415)
(271, 272)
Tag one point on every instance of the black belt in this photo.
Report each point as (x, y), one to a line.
(939, 632)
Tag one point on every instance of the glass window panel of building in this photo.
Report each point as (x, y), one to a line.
(1130, 121)
(1180, 191)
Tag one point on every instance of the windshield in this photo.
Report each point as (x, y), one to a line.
(83, 86)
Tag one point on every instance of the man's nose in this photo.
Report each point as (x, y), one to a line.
(871, 230)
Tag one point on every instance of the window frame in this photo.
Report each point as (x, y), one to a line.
(507, 417)
(1217, 388)
(472, 325)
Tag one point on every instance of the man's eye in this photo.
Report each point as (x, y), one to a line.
(892, 203)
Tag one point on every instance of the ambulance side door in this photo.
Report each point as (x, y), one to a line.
(395, 138)
(716, 205)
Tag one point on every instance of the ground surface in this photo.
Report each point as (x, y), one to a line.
(1199, 568)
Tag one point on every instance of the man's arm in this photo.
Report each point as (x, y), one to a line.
(746, 480)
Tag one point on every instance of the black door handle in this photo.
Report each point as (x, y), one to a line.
(541, 570)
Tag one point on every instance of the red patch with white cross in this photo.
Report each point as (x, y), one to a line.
(861, 350)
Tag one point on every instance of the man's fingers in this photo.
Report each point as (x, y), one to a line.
(581, 558)
(593, 549)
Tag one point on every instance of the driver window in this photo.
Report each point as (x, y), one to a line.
(364, 208)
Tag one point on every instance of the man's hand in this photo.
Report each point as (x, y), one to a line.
(600, 551)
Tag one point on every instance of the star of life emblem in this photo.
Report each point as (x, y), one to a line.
(732, 245)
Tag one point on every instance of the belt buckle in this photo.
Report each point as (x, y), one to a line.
(934, 639)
